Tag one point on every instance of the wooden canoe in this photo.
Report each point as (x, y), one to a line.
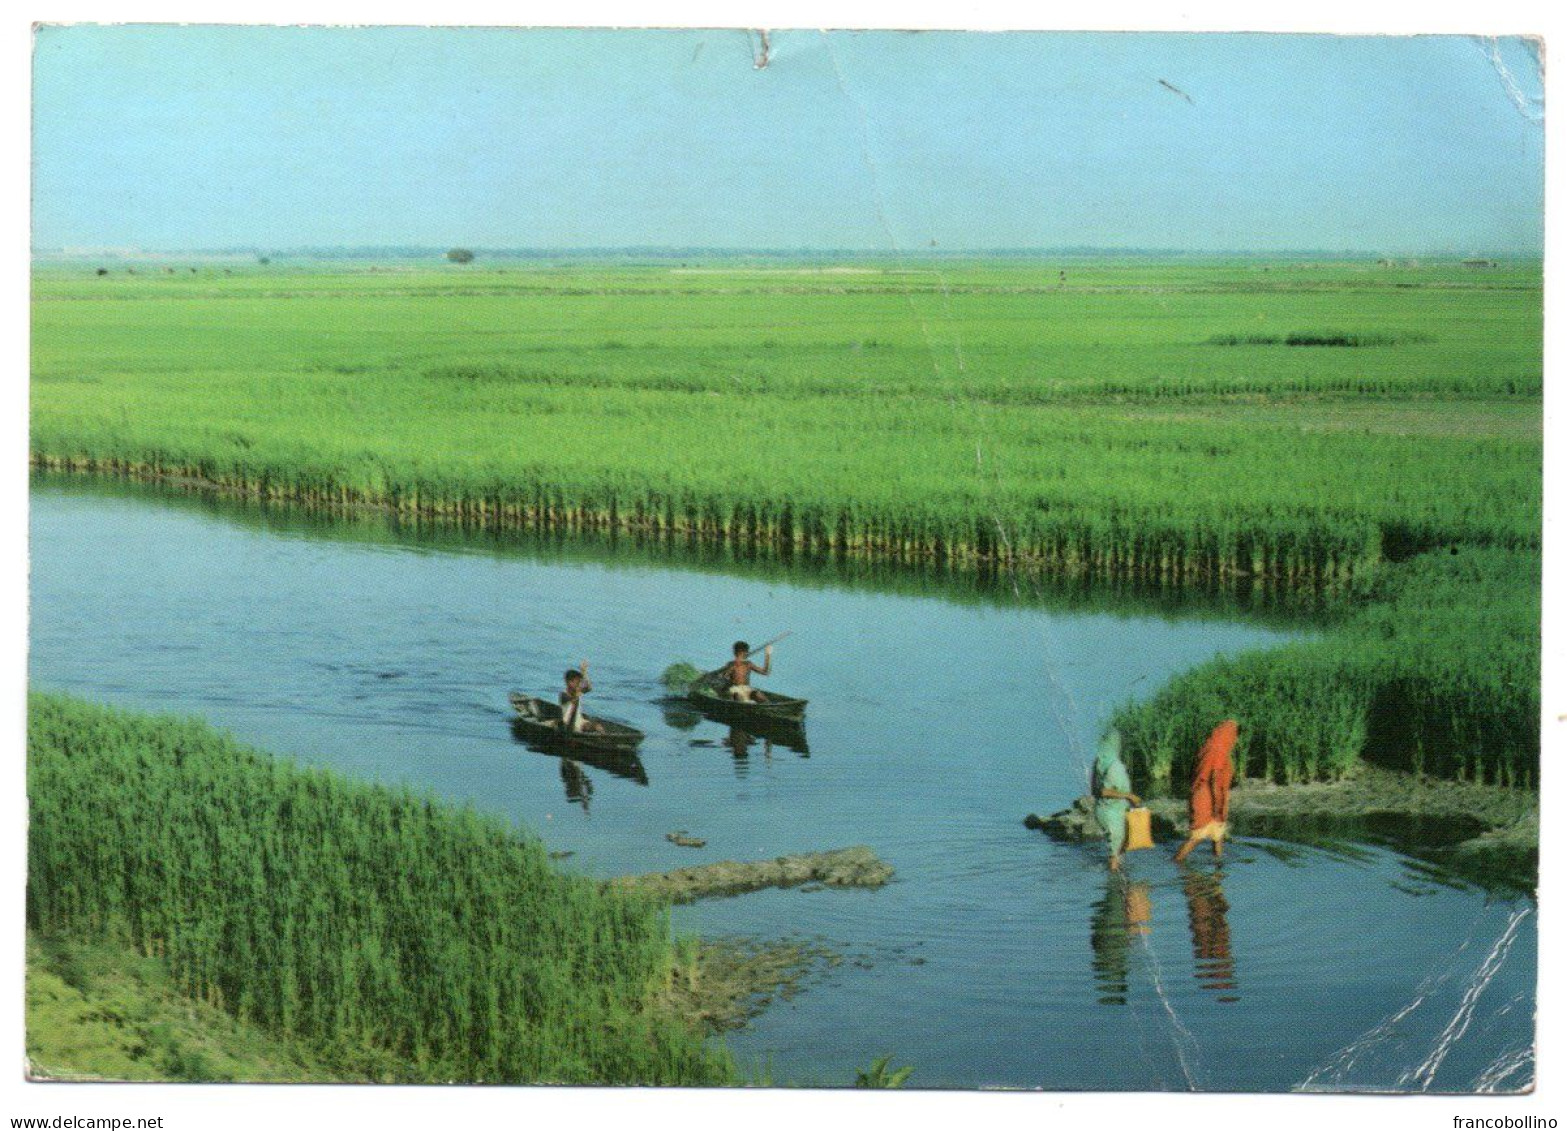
(539, 720)
(620, 763)
(776, 709)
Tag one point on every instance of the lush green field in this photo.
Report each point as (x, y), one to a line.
(1338, 427)
(391, 937)
(1100, 425)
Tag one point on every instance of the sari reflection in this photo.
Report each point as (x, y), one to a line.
(1125, 913)
(1208, 911)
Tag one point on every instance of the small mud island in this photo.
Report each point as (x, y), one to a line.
(856, 867)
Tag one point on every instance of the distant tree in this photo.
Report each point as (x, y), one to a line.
(103, 270)
(460, 255)
(263, 260)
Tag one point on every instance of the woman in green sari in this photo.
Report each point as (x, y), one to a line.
(1111, 785)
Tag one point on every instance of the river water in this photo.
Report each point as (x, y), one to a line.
(938, 719)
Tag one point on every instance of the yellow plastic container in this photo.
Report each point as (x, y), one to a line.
(1139, 829)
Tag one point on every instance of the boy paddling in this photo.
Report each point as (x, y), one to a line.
(739, 672)
(572, 720)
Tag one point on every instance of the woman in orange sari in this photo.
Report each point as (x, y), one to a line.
(1210, 810)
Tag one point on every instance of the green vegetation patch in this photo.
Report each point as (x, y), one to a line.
(726, 982)
(387, 934)
(1068, 417)
(1438, 671)
(101, 1012)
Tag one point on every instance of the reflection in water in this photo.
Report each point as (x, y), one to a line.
(790, 736)
(1209, 911)
(579, 787)
(739, 743)
(1125, 913)
(949, 581)
(621, 765)
(1005, 949)
(681, 716)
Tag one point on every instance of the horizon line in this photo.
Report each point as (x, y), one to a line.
(696, 251)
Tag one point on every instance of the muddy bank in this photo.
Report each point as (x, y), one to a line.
(1489, 834)
(721, 984)
(857, 867)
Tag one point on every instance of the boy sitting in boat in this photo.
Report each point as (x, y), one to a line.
(740, 670)
(571, 717)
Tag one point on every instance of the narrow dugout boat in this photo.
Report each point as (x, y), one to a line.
(776, 709)
(620, 763)
(539, 720)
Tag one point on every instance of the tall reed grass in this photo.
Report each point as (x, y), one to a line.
(385, 931)
(1438, 672)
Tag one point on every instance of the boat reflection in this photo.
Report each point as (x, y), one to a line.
(1208, 911)
(680, 715)
(788, 736)
(622, 765)
(1124, 914)
(739, 743)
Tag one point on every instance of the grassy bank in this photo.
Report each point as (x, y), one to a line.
(389, 936)
(983, 411)
(1438, 671)
(104, 1012)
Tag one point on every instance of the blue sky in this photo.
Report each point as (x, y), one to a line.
(184, 137)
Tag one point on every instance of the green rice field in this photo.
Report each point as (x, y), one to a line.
(1103, 425)
(1357, 432)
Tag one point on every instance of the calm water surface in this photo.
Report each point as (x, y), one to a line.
(996, 958)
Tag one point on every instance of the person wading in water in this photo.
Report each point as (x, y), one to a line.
(1210, 809)
(1111, 786)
